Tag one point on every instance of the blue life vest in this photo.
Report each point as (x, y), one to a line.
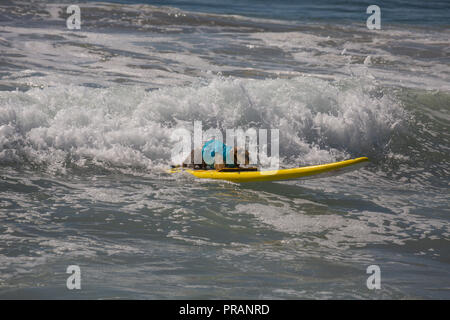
(209, 152)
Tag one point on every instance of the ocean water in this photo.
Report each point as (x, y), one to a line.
(85, 123)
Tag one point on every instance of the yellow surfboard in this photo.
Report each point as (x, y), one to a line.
(281, 174)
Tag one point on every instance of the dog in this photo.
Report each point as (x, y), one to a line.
(238, 159)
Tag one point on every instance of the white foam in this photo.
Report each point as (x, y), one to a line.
(318, 121)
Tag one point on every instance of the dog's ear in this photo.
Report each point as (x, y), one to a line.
(234, 152)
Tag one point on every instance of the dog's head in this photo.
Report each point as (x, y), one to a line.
(241, 156)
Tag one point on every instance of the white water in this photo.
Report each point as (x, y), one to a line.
(318, 121)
